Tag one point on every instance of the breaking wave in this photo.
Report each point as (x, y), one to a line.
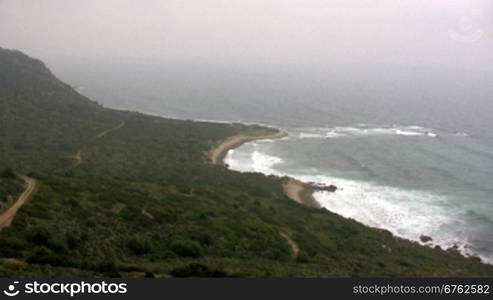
(254, 162)
(362, 131)
(406, 213)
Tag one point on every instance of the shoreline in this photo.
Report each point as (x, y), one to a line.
(217, 154)
(297, 190)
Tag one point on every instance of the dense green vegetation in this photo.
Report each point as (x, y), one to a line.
(10, 188)
(126, 194)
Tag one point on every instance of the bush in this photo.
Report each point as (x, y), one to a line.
(39, 236)
(51, 259)
(107, 267)
(58, 244)
(184, 189)
(186, 248)
(197, 270)
(150, 275)
(9, 174)
(303, 257)
(140, 245)
(13, 243)
(45, 256)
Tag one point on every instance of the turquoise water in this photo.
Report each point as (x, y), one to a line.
(410, 180)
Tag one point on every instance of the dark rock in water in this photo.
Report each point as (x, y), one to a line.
(332, 188)
(320, 187)
(454, 249)
(425, 239)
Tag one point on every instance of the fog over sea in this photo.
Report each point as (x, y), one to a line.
(411, 150)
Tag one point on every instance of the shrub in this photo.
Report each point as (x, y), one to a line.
(140, 245)
(39, 236)
(197, 270)
(149, 275)
(107, 267)
(186, 248)
(302, 257)
(9, 174)
(58, 244)
(45, 256)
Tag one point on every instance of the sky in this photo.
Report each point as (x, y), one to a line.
(444, 33)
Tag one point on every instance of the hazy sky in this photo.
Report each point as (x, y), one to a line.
(451, 33)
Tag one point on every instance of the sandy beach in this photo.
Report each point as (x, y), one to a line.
(294, 189)
(299, 191)
(217, 154)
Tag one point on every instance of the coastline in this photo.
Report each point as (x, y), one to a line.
(299, 191)
(217, 154)
(296, 190)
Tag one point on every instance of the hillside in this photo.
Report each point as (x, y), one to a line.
(125, 194)
(10, 186)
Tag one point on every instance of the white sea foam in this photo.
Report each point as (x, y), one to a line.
(331, 135)
(406, 132)
(463, 134)
(256, 162)
(363, 130)
(304, 135)
(406, 213)
(264, 163)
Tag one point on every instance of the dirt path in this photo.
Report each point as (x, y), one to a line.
(78, 156)
(7, 217)
(294, 247)
(100, 135)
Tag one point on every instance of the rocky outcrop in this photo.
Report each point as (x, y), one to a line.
(425, 239)
(321, 187)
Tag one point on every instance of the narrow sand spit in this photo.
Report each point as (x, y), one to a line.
(218, 153)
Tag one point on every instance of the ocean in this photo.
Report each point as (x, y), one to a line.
(411, 150)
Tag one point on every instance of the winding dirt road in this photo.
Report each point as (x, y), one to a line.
(294, 247)
(100, 135)
(7, 217)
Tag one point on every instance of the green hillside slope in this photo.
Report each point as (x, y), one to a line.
(125, 194)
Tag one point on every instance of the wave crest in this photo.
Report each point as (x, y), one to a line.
(365, 131)
(255, 162)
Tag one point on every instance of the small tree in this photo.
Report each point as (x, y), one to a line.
(9, 173)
